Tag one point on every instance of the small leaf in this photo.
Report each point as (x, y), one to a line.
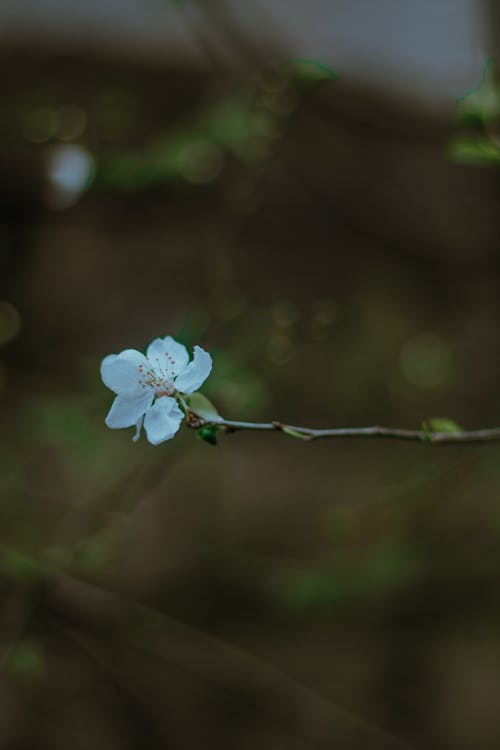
(202, 407)
(208, 433)
(294, 433)
(443, 424)
(473, 149)
(310, 70)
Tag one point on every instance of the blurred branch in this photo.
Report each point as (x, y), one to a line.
(115, 631)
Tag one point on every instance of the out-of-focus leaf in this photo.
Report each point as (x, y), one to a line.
(237, 386)
(194, 152)
(341, 524)
(481, 104)
(474, 150)
(426, 361)
(233, 122)
(94, 553)
(389, 567)
(310, 71)
(62, 421)
(18, 566)
(312, 590)
(26, 660)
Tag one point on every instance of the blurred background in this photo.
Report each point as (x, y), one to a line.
(310, 192)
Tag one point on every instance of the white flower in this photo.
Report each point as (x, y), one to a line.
(146, 386)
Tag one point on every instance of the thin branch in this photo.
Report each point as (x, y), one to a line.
(307, 433)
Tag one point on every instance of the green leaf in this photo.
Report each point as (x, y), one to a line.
(481, 104)
(208, 433)
(194, 150)
(202, 407)
(19, 566)
(473, 150)
(306, 69)
(26, 660)
(442, 424)
(314, 590)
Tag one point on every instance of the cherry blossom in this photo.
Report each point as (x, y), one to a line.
(148, 387)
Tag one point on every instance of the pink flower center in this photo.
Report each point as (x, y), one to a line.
(159, 376)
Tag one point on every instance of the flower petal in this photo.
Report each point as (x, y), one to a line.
(197, 371)
(120, 372)
(163, 420)
(127, 410)
(177, 353)
(138, 428)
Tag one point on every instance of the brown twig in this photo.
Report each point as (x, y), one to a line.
(307, 433)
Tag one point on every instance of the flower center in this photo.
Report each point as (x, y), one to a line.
(159, 376)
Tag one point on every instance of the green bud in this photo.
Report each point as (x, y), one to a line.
(294, 433)
(443, 424)
(208, 433)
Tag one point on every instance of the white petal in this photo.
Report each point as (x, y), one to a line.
(177, 353)
(163, 420)
(121, 373)
(138, 428)
(195, 373)
(127, 410)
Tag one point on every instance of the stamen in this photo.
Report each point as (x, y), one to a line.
(171, 361)
(158, 377)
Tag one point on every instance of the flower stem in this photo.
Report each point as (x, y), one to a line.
(485, 435)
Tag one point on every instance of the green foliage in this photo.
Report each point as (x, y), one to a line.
(235, 383)
(64, 422)
(194, 152)
(389, 566)
(441, 424)
(208, 433)
(481, 104)
(314, 590)
(427, 361)
(19, 567)
(73, 431)
(93, 553)
(473, 150)
(26, 661)
(310, 71)
(478, 112)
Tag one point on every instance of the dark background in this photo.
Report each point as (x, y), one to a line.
(307, 226)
